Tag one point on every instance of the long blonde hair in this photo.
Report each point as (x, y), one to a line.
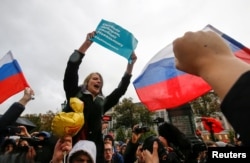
(86, 80)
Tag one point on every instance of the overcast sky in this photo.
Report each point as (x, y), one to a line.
(43, 34)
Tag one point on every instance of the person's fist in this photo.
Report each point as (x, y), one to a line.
(196, 50)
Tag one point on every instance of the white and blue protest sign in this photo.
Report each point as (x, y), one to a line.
(115, 38)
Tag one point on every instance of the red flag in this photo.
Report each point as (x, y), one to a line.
(212, 124)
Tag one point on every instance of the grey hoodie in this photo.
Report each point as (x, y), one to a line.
(86, 146)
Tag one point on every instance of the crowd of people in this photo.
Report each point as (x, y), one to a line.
(201, 53)
(28, 146)
(171, 146)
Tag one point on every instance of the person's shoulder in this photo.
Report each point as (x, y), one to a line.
(118, 155)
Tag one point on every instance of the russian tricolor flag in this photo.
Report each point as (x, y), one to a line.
(162, 86)
(12, 79)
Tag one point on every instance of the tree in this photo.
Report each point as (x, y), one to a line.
(35, 118)
(120, 134)
(231, 136)
(206, 105)
(42, 121)
(127, 114)
(47, 120)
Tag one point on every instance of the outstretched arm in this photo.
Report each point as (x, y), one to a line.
(16, 109)
(87, 43)
(205, 54)
(116, 94)
(27, 96)
(131, 65)
(132, 145)
(62, 148)
(70, 81)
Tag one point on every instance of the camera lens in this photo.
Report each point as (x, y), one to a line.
(142, 129)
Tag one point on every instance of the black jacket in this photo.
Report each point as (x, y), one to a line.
(130, 152)
(236, 107)
(9, 118)
(11, 115)
(93, 109)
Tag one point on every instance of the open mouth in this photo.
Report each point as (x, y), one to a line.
(97, 86)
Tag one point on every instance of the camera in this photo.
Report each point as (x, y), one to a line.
(158, 120)
(33, 141)
(198, 145)
(10, 130)
(148, 144)
(142, 129)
